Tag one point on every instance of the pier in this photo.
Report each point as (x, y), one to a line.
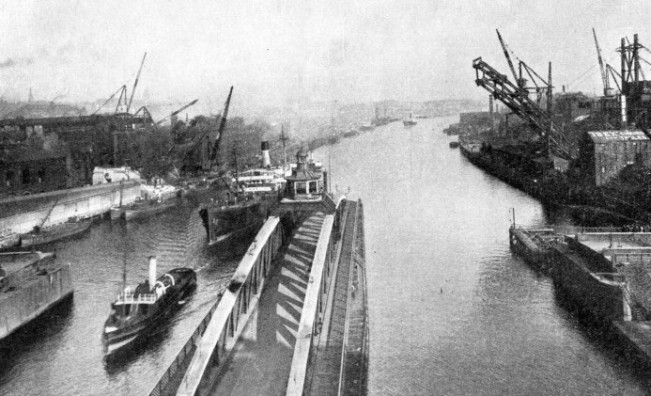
(292, 320)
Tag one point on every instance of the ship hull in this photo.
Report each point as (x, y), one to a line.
(53, 234)
(602, 301)
(230, 225)
(147, 210)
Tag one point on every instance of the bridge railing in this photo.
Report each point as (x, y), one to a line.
(226, 320)
(184, 354)
(316, 296)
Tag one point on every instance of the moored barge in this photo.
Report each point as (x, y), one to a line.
(31, 283)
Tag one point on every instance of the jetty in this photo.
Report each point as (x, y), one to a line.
(603, 270)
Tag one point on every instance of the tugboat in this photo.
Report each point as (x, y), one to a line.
(135, 312)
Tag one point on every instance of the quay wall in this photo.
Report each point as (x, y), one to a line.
(21, 214)
(591, 205)
(36, 295)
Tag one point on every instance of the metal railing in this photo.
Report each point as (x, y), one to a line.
(181, 358)
(233, 310)
(129, 297)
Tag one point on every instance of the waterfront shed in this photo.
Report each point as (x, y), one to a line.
(608, 152)
(28, 170)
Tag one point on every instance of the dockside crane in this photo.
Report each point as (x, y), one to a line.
(135, 83)
(541, 87)
(209, 155)
(608, 92)
(174, 113)
(516, 98)
(222, 127)
(508, 57)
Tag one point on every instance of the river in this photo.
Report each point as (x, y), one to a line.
(452, 311)
(62, 353)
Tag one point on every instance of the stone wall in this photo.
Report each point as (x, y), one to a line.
(21, 214)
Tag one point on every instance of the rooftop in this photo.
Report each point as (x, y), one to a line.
(617, 136)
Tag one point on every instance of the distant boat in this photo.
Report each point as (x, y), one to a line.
(409, 121)
(146, 209)
(454, 144)
(351, 132)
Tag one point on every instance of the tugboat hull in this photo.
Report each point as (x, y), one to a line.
(143, 314)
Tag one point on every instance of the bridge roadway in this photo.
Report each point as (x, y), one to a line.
(262, 359)
(292, 321)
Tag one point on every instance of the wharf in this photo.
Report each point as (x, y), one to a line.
(604, 272)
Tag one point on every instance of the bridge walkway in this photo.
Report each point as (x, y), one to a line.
(345, 323)
(261, 360)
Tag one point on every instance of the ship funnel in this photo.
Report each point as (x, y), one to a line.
(152, 271)
(266, 159)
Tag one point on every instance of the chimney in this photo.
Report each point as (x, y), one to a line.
(624, 123)
(152, 272)
(490, 104)
(266, 159)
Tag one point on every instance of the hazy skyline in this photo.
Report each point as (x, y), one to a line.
(280, 52)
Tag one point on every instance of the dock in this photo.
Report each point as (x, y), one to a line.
(604, 271)
(293, 319)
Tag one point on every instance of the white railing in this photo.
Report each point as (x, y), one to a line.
(234, 308)
(130, 298)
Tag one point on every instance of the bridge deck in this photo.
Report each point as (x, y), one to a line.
(345, 324)
(261, 361)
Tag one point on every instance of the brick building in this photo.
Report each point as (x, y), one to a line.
(606, 153)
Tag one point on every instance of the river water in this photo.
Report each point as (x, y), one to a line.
(62, 354)
(452, 311)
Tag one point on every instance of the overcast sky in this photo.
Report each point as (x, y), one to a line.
(279, 50)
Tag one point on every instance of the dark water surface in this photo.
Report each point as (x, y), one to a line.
(452, 312)
(62, 353)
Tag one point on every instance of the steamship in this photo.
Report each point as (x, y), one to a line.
(136, 311)
(237, 216)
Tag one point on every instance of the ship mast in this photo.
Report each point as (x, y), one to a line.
(283, 139)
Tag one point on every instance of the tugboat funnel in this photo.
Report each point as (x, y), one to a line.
(266, 159)
(152, 271)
